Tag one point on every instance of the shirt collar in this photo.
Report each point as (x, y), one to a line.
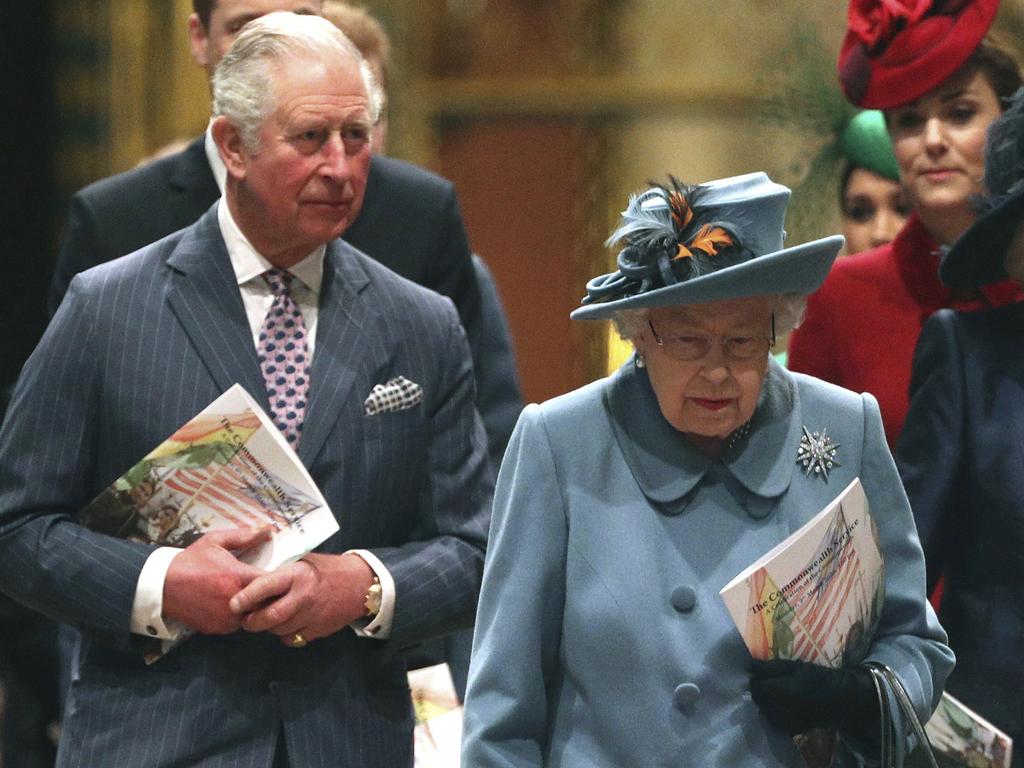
(220, 171)
(667, 467)
(248, 263)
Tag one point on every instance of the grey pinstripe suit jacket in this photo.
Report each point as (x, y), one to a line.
(140, 345)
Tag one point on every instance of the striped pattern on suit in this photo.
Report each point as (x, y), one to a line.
(141, 345)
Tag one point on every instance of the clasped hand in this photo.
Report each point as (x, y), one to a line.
(797, 696)
(210, 590)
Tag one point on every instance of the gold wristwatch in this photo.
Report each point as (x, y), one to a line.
(372, 599)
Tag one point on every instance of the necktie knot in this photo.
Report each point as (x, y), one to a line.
(279, 281)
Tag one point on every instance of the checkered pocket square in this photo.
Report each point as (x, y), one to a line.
(396, 395)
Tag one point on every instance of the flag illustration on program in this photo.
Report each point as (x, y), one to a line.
(239, 490)
(228, 467)
(817, 595)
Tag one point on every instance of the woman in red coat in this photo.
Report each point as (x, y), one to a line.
(940, 85)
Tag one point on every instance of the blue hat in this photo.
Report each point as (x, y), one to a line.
(977, 257)
(694, 244)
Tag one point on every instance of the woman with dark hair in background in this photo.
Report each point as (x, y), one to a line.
(940, 85)
(873, 205)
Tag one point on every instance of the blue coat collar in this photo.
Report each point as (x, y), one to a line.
(668, 468)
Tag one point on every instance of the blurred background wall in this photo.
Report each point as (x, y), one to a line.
(545, 113)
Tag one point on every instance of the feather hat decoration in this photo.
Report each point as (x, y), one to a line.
(691, 244)
(665, 238)
(977, 258)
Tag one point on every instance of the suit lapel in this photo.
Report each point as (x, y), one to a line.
(204, 296)
(344, 346)
(193, 188)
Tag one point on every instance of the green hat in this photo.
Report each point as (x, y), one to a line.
(865, 142)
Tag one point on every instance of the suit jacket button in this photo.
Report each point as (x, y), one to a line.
(684, 598)
(686, 695)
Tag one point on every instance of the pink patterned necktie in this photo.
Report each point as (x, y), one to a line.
(283, 359)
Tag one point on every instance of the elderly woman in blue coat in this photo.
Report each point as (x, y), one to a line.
(623, 507)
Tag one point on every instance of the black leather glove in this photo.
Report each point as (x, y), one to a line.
(797, 696)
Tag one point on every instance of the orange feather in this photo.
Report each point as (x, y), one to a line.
(682, 214)
(709, 238)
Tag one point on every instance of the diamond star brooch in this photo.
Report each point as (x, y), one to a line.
(817, 453)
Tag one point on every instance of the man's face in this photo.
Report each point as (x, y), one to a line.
(209, 44)
(304, 184)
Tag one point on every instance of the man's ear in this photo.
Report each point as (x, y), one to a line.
(230, 146)
(199, 41)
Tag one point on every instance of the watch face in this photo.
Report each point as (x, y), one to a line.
(373, 597)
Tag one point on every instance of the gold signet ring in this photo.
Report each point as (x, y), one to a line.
(298, 640)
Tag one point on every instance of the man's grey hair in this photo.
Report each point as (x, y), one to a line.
(788, 309)
(243, 88)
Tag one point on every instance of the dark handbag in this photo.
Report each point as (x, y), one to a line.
(884, 678)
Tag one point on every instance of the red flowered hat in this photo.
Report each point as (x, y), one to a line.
(897, 50)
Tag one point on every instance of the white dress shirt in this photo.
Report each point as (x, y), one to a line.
(248, 265)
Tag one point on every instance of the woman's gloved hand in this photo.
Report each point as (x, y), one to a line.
(797, 696)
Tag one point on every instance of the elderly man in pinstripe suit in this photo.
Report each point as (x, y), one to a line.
(299, 666)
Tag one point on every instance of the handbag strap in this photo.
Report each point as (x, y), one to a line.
(885, 736)
(884, 677)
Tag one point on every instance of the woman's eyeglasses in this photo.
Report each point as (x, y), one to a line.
(691, 347)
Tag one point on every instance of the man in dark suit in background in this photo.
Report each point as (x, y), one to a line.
(497, 383)
(141, 344)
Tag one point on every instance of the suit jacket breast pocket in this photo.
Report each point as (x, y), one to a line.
(396, 443)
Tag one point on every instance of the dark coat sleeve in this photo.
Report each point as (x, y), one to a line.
(120, 214)
(47, 560)
(929, 452)
(78, 251)
(498, 397)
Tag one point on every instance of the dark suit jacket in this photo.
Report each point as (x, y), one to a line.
(137, 348)
(410, 222)
(961, 456)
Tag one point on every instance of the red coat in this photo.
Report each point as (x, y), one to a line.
(862, 325)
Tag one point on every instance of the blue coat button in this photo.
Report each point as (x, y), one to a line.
(758, 507)
(686, 695)
(684, 598)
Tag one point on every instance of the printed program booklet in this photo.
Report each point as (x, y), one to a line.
(816, 596)
(228, 467)
(437, 737)
(961, 737)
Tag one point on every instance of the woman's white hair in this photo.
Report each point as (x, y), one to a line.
(242, 87)
(788, 309)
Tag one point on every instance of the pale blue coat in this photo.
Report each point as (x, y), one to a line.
(601, 639)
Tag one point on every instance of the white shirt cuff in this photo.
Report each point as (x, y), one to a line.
(148, 606)
(380, 627)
